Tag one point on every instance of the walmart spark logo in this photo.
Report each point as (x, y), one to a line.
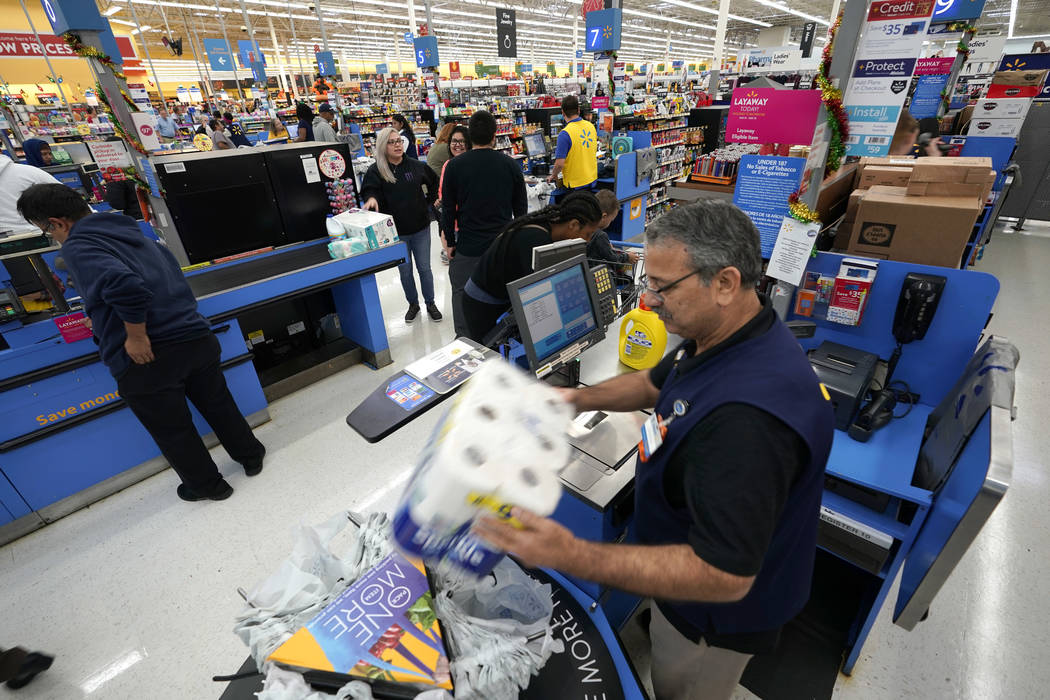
(607, 31)
(1016, 64)
(587, 140)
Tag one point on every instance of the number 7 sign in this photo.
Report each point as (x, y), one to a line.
(603, 30)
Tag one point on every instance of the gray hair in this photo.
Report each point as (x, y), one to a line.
(382, 164)
(716, 234)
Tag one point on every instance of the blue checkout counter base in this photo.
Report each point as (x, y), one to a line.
(67, 439)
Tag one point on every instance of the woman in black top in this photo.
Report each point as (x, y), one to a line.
(405, 188)
(510, 256)
(305, 115)
(408, 137)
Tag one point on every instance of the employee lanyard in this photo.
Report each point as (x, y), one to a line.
(654, 430)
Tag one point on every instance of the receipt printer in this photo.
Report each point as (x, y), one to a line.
(846, 372)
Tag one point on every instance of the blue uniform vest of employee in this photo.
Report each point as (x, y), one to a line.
(771, 373)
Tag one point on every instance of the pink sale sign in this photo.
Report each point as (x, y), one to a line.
(768, 115)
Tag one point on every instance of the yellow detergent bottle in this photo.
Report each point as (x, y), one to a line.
(643, 338)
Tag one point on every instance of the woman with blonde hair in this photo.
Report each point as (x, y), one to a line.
(440, 152)
(405, 188)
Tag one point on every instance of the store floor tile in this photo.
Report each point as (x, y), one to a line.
(136, 595)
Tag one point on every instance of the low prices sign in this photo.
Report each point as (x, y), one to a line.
(19, 44)
(769, 115)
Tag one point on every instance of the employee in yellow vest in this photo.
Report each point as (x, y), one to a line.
(576, 157)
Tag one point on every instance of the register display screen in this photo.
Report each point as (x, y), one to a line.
(557, 311)
(535, 145)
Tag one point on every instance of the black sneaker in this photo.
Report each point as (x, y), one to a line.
(32, 664)
(221, 492)
(413, 311)
(432, 311)
(252, 467)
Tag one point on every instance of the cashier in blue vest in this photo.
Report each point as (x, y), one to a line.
(727, 501)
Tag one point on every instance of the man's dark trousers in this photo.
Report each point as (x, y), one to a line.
(156, 393)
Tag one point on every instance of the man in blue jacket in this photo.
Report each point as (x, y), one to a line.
(151, 337)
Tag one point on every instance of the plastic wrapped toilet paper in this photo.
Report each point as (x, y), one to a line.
(502, 444)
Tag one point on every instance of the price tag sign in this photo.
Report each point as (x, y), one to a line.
(603, 30)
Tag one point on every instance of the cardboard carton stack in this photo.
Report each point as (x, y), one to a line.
(1016, 83)
(915, 210)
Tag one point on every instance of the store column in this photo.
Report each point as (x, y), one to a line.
(720, 48)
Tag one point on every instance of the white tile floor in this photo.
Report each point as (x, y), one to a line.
(136, 595)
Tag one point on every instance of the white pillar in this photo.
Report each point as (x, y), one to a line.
(277, 56)
(720, 35)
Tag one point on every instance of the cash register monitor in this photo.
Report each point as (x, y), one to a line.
(535, 146)
(558, 315)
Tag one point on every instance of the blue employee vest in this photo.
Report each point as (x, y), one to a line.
(772, 373)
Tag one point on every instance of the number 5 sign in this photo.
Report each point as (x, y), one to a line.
(426, 48)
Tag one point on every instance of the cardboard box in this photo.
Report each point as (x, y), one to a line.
(1010, 128)
(891, 175)
(973, 170)
(1002, 109)
(1013, 91)
(1020, 78)
(378, 229)
(981, 191)
(930, 230)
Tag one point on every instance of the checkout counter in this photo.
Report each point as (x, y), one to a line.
(875, 491)
(284, 317)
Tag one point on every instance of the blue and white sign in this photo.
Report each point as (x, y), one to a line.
(259, 71)
(871, 129)
(382, 69)
(884, 68)
(603, 30)
(219, 56)
(249, 51)
(325, 63)
(579, 53)
(763, 186)
(408, 36)
(951, 10)
(927, 96)
(426, 51)
(73, 15)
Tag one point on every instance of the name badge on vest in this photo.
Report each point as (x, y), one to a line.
(655, 429)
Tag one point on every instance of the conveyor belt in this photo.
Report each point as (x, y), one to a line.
(212, 281)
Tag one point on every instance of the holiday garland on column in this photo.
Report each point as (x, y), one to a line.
(838, 127)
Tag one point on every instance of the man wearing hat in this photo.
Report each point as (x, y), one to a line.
(324, 129)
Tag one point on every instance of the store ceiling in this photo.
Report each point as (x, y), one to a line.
(372, 29)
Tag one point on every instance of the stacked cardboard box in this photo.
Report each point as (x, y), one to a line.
(1003, 117)
(920, 211)
(929, 230)
(1016, 83)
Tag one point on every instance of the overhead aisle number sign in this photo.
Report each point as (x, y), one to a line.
(603, 30)
(426, 50)
(325, 63)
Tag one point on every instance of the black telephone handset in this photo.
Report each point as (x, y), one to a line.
(920, 295)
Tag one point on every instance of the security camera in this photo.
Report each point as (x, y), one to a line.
(244, 29)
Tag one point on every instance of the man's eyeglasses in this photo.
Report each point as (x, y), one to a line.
(658, 292)
(47, 229)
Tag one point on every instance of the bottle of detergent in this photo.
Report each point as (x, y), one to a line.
(643, 338)
(335, 229)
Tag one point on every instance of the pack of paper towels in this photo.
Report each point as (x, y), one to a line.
(501, 445)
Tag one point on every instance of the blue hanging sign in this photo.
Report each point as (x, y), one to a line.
(249, 51)
(325, 63)
(927, 96)
(952, 10)
(603, 30)
(408, 37)
(426, 50)
(382, 69)
(73, 15)
(259, 71)
(219, 55)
